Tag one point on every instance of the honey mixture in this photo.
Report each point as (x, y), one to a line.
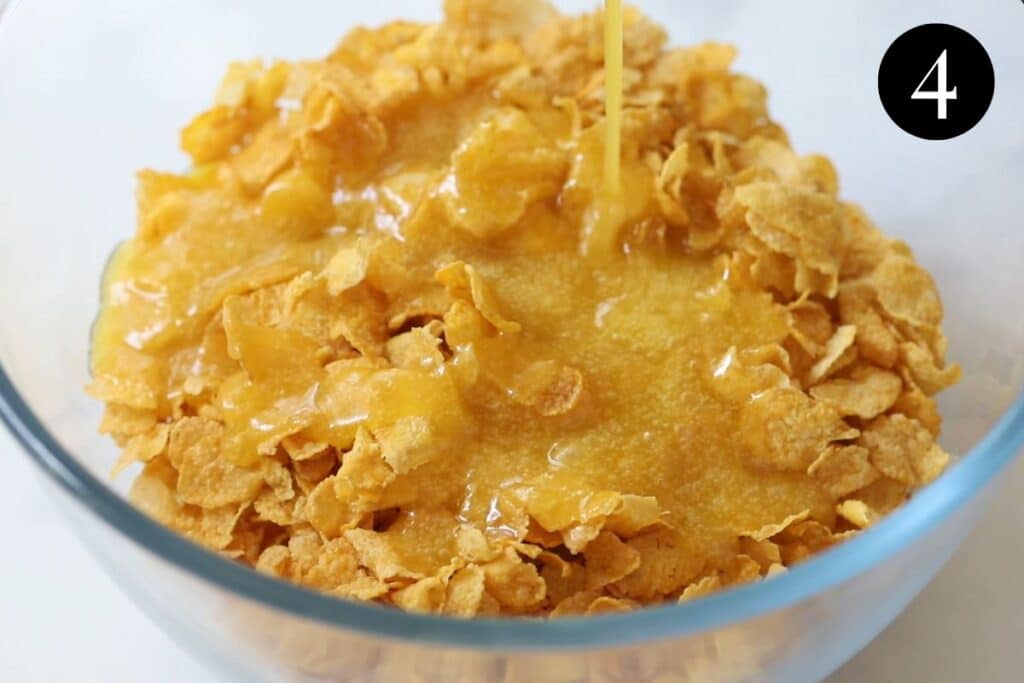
(390, 338)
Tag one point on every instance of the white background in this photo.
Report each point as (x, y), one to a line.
(62, 619)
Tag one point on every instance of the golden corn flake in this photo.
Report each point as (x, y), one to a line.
(633, 515)
(916, 405)
(124, 422)
(143, 447)
(605, 604)
(153, 491)
(465, 592)
(836, 354)
(326, 513)
(274, 560)
(844, 469)
(549, 387)
(856, 512)
(883, 495)
(925, 372)
(380, 555)
(269, 508)
(362, 587)
(875, 340)
(866, 245)
(578, 518)
(391, 338)
(812, 326)
(205, 477)
(698, 589)
(328, 564)
(507, 164)
(514, 583)
(309, 473)
(769, 530)
(785, 429)
(804, 539)
(906, 292)
(764, 552)
(472, 545)
(665, 565)
(576, 604)
(347, 268)
(804, 225)
(866, 393)
(741, 569)
(463, 281)
(426, 595)
(419, 348)
(903, 450)
(608, 559)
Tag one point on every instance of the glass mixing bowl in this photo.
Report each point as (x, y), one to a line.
(89, 92)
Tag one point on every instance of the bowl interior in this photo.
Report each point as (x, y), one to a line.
(91, 92)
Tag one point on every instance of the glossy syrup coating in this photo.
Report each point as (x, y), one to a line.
(389, 338)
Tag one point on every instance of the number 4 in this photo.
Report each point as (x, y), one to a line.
(941, 95)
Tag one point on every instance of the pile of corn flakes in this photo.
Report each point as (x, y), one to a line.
(373, 342)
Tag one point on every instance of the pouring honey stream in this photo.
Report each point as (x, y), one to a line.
(608, 214)
(613, 63)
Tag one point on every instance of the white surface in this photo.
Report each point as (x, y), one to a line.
(62, 619)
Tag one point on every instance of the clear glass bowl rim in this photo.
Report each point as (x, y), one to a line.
(925, 511)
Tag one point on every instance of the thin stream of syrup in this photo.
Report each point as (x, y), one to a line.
(613, 67)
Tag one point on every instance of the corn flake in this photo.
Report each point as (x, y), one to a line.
(843, 469)
(143, 447)
(509, 152)
(665, 565)
(906, 292)
(205, 477)
(785, 429)
(465, 592)
(857, 512)
(875, 340)
(463, 281)
(608, 559)
(514, 583)
(866, 393)
(153, 491)
(551, 388)
(925, 372)
(347, 268)
(801, 224)
(606, 604)
(426, 595)
(378, 554)
(770, 530)
(904, 450)
(702, 587)
(836, 355)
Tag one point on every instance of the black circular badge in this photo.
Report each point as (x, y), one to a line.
(936, 81)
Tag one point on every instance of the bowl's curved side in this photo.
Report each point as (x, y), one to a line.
(915, 520)
(244, 639)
